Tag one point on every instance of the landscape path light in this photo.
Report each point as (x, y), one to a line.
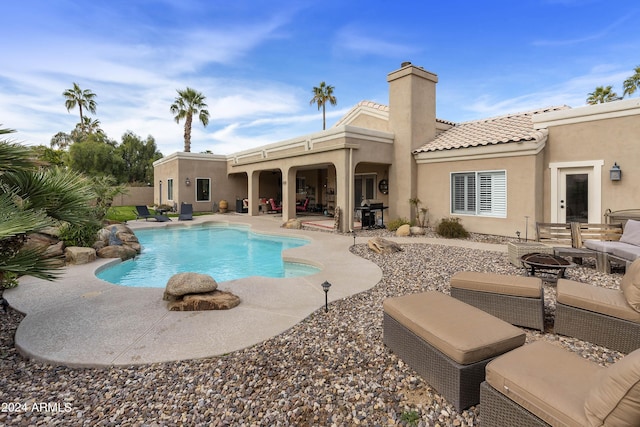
(325, 287)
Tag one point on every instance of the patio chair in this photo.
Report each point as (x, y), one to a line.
(273, 207)
(186, 212)
(303, 207)
(143, 212)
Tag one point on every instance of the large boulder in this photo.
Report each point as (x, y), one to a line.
(418, 231)
(403, 230)
(188, 283)
(383, 246)
(79, 255)
(216, 300)
(293, 223)
(122, 252)
(116, 235)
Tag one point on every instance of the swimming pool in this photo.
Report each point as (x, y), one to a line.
(223, 252)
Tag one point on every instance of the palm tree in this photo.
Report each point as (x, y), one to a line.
(321, 95)
(189, 103)
(80, 98)
(30, 200)
(602, 95)
(632, 83)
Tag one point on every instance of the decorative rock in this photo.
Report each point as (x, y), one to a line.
(55, 250)
(122, 252)
(78, 255)
(188, 283)
(383, 246)
(403, 230)
(293, 223)
(418, 231)
(216, 300)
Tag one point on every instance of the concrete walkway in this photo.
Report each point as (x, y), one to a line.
(80, 320)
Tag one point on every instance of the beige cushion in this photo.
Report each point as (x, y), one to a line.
(464, 333)
(615, 398)
(610, 302)
(521, 286)
(546, 380)
(630, 285)
(631, 233)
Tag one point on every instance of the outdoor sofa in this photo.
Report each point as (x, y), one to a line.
(541, 384)
(607, 317)
(623, 251)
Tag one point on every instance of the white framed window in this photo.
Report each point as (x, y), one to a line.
(170, 189)
(479, 193)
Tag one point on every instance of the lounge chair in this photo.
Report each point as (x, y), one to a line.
(143, 212)
(542, 384)
(303, 207)
(273, 207)
(186, 212)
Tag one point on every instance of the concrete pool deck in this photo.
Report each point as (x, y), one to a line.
(80, 320)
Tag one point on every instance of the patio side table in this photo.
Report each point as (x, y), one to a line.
(517, 249)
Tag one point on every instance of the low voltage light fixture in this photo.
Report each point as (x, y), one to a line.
(325, 287)
(615, 173)
(187, 181)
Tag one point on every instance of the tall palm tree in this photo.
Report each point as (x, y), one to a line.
(602, 95)
(189, 103)
(80, 98)
(321, 95)
(632, 83)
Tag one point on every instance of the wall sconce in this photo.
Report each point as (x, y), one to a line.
(615, 173)
(187, 181)
(325, 287)
(383, 186)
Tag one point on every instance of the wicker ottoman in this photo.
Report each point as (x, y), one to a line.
(447, 342)
(515, 299)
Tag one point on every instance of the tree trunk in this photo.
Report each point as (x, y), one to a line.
(187, 133)
(324, 122)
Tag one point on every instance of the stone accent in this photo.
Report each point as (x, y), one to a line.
(78, 255)
(403, 230)
(293, 223)
(117, 241)
(188, 283)
(418, 231)
(383, 246)
(216, 300)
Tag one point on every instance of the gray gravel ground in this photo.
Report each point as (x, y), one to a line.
(331, 369)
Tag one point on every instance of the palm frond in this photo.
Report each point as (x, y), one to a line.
(30, 262)
(15, 221)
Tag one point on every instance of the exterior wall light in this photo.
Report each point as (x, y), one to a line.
(325, 287)
(615, 173)
(187, 181)
(383, 186)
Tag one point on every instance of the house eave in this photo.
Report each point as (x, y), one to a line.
(512, 149)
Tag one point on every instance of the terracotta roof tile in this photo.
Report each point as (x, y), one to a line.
(516, 127)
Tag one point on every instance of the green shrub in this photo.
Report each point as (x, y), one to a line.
(451, 228)
(80, 235)
(396, 223)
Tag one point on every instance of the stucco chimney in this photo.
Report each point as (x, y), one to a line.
(412, 118)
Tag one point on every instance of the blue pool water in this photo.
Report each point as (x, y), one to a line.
(225, 253)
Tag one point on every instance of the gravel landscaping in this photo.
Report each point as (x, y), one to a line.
(330, 369)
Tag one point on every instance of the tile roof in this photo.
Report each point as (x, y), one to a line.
(516, 127)
(371, 105)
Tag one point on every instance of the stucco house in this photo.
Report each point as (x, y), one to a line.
(498, 175)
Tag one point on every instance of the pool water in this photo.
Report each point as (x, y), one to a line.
(225, 253)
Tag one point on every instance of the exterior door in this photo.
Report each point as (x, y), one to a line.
(574, 201)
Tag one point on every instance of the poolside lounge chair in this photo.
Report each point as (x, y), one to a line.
(303, 207)
(272, 206)
(186, 212)
(143, 212)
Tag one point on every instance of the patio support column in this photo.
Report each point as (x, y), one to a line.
(288, 194)
(344, 175)
(253, 192)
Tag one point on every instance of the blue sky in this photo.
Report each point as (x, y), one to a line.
(257, 61)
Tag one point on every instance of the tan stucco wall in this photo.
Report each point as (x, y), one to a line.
(135, 196)
(434, 190)
(370, 122)
(611, 140)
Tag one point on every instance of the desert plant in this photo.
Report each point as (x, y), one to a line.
(396, 223)
(421, 213)
(84, 235)
(410, 417)
(451, 228)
